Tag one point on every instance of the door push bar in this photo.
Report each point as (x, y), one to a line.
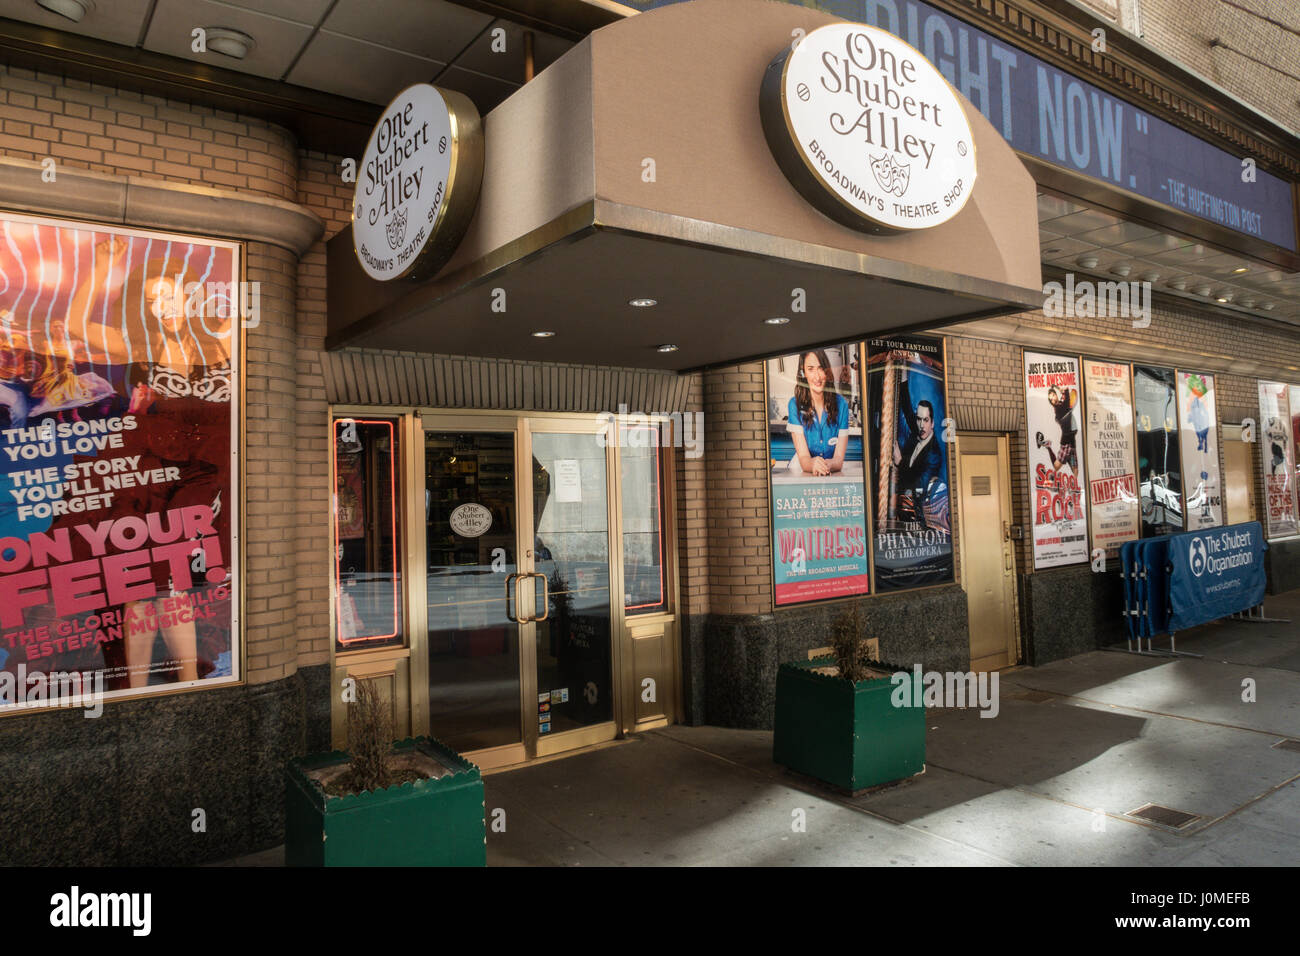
(546, 597)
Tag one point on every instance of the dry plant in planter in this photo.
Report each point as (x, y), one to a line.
(850, 648)
(370, 743)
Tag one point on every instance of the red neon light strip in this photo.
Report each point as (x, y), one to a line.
(334, 524)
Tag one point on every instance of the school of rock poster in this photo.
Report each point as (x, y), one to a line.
(1160, 484)
(1198, 421)
(117, 355)
(909, 462)
(1058, 503)
(819, 529)
(1278, 453)
(1112, 477)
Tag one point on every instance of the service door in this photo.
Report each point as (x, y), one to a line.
(988, 568)
(1239, 476)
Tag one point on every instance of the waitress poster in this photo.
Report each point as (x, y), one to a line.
(118, 354)
(909, 462)
(819, 527)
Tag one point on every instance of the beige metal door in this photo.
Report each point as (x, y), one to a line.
(1239, 476)
(988, 569)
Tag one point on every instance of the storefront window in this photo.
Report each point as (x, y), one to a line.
(367, 574)
(643, 553)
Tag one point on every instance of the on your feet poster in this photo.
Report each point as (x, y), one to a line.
(118, 355)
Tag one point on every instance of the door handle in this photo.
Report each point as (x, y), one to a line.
(546, 597)
(511, 617)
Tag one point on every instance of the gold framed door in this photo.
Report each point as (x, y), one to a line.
(572, 660)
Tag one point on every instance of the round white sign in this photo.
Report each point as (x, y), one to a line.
(868, 130)
(407, 182)
(470, 520)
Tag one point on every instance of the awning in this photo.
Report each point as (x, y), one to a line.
(635, 167)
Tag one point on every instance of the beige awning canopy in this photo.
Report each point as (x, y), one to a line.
(635, 167)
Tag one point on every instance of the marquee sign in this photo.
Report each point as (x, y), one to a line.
(868, 130)
(418, 183)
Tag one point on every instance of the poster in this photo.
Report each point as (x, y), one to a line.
(1278, 451)
(819, 530)
(1293, 397)
(1199, 427)
(118, 356)
(1058, 504)
(909, 462)
(1112, 475)
(1160, 483)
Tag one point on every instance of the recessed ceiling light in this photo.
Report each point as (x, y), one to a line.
(1054, 251)
(642, 303)
(1086, 262)
(1121, 269)
(667, 348)
(1240, 270)
(1223, 299)
(1203, 290)
(777, 320)
(542, 335)
(1247, 303)
(1268, 306)
(72, 10)
(1150, 276)
(227, 42)
(1179, 284)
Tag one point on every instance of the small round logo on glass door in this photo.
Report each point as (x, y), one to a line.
(470, 520)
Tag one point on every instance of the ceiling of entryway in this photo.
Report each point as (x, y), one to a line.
(1083, 240)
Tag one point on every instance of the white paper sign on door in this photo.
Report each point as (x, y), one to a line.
(568, 480)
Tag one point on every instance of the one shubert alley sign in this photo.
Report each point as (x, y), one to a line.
(1045, 112)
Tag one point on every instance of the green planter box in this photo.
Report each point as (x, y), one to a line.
(848, 735)
(436, 822)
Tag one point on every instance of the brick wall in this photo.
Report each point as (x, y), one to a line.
(1182, 30)
(692, 528)
(739, 552)
(107, 130)
(321, 189)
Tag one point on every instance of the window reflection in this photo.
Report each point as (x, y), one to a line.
(367, 576)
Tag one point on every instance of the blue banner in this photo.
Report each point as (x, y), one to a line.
(1215, 573)
(1057, 117)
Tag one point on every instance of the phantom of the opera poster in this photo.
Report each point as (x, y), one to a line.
(908, 404)
(118, 351)
(819, 531)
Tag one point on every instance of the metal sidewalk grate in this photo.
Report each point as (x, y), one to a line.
(1164, 816)
(1288, 743)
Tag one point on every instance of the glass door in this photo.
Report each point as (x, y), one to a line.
(573, 667)
(518, 647)
(472, 569)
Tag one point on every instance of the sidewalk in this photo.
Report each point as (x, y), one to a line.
(1077, 745)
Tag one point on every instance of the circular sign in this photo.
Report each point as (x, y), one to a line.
(417, 184)
(470, 520)
(868, 130)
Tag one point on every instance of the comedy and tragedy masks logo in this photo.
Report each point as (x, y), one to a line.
(892, 175)
(396, 229)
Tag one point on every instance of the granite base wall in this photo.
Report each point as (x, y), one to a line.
(1068, 611)
(1282, 563)
(121, 789)
(737, 655)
